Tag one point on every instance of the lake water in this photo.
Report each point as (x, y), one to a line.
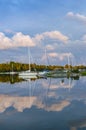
(43, 104)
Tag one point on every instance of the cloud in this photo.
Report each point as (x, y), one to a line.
(5, 42)
(62, 86)
(77, 16)
(55, 35)
(84, 38)
(19, 103)
(53, 54)
(50, 47)
(81, 41)
(9, 31)
(18, 40)
(58, 106)
(60, 56)
(21, 40)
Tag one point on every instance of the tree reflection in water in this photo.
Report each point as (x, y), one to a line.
(10, 78)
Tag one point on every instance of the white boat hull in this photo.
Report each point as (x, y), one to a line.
(28, 75)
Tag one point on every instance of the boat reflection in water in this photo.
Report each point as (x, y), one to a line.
(55, 101)
(12, 78)
(39, 93)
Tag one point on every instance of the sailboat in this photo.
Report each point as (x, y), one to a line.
(12, 72)
(43, 74)
(28, 74)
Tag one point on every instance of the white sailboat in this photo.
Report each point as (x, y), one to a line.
(12, 72)
(28, 74)
(43, 73)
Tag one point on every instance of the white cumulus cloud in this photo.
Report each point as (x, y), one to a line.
(56, 35)
(77, 16)
(5, 42)
(18, 40)
(21, 40)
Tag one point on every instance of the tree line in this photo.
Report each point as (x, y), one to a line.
(15, 66)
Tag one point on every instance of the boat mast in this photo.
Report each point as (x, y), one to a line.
(46, 57)
(29, 58)
(68, 63)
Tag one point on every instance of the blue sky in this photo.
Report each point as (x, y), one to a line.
(57, 25)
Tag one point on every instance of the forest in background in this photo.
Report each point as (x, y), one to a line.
(15, 66)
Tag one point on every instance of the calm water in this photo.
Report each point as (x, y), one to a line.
(43, 104)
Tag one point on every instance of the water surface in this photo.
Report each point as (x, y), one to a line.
(43, 104)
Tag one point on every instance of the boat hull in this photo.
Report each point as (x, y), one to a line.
(28, 75)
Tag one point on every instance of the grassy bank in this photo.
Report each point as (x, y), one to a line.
(83, 73)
